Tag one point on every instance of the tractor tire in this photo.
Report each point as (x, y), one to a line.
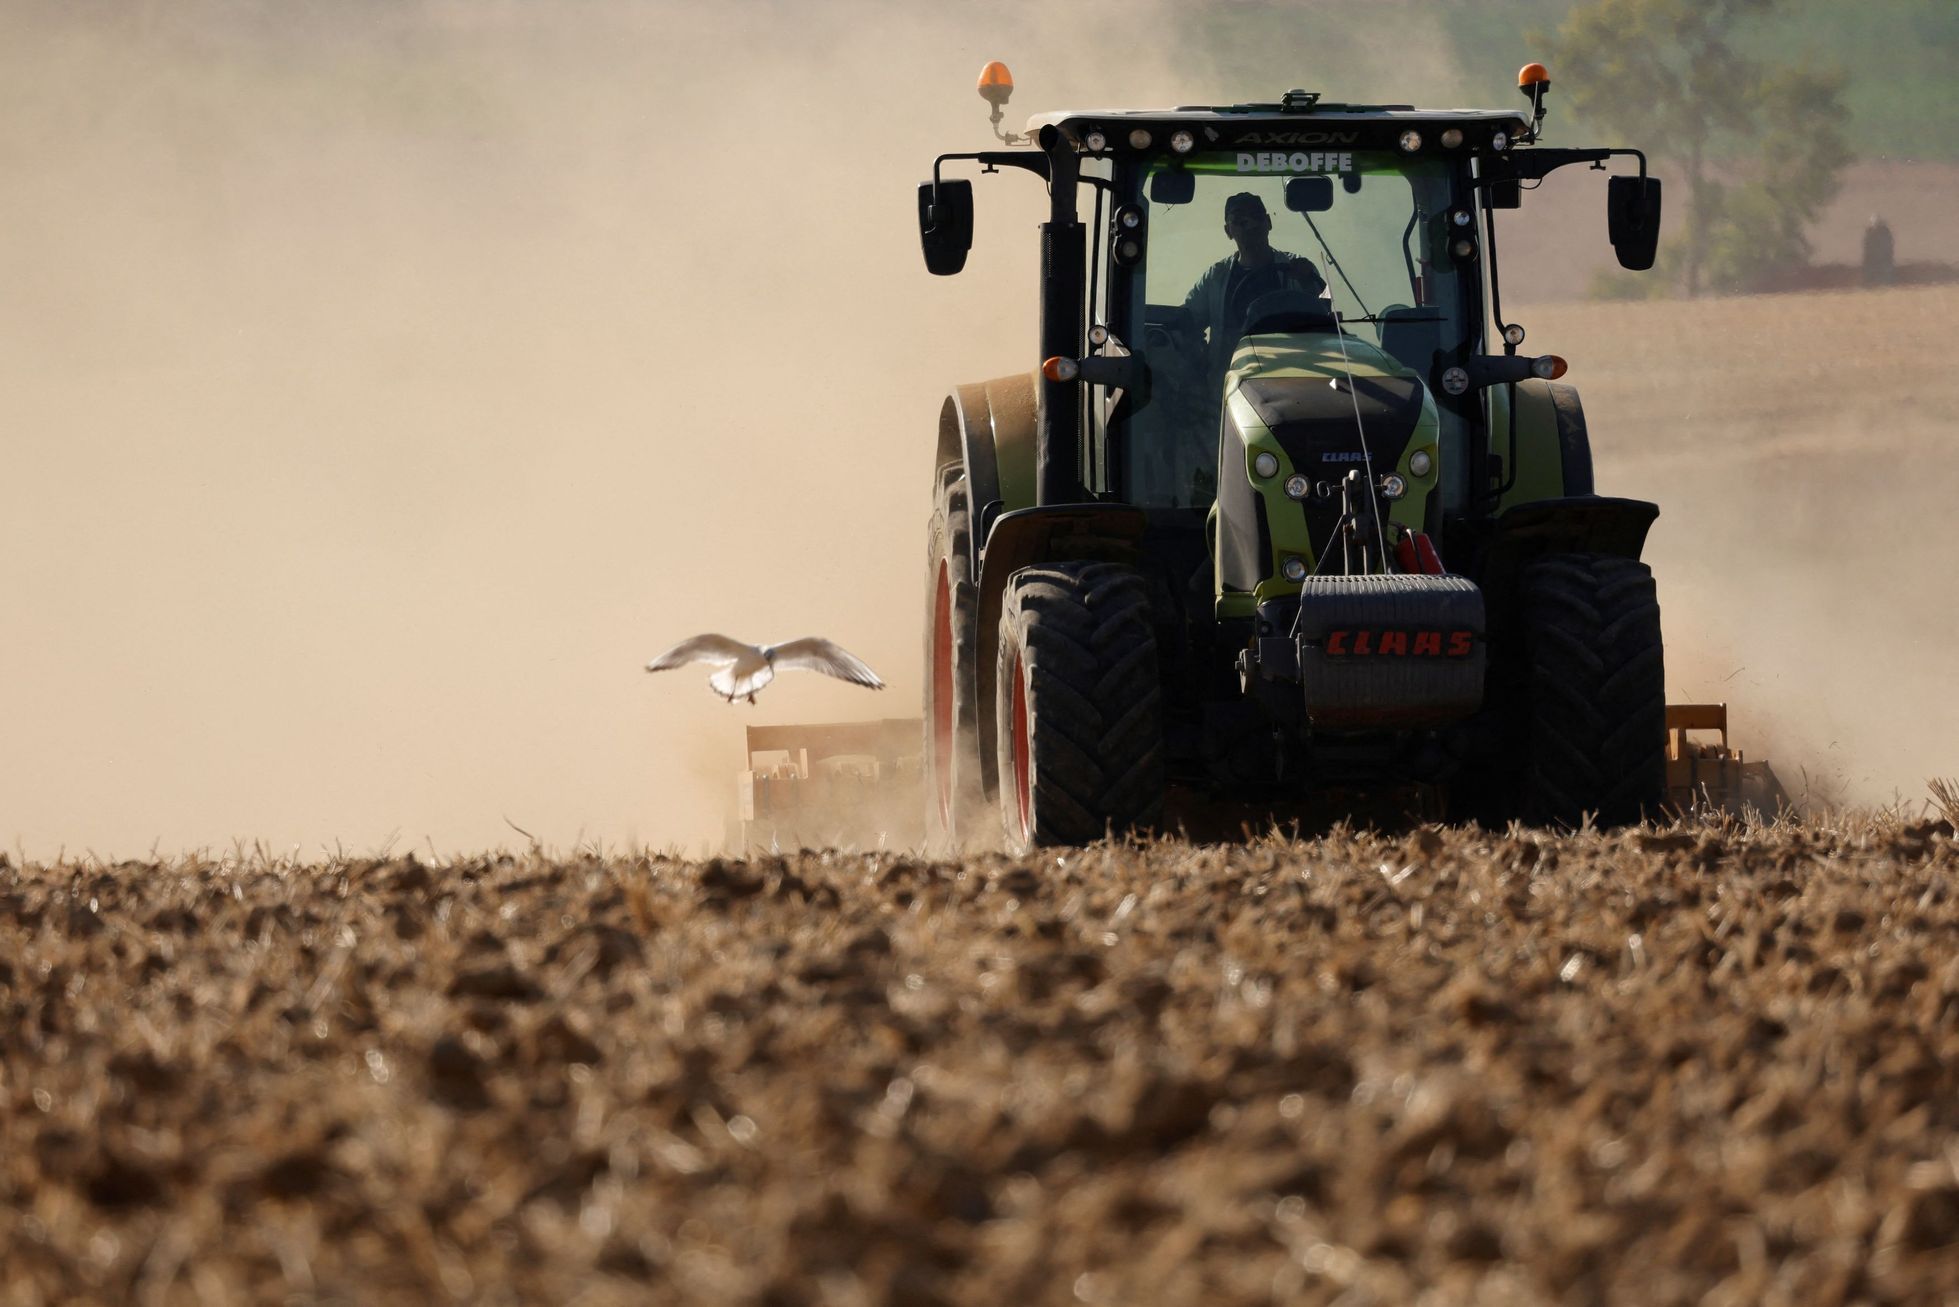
(1078, 706)
(1592, 709)
(955, 794)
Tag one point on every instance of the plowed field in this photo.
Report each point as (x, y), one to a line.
(1704, 1065)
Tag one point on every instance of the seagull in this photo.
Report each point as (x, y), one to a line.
(742, 669)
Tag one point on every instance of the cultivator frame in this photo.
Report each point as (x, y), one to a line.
(1710, 774)
(828, 784)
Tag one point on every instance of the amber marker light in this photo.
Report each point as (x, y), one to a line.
(996, 84)
(1529, 77)
(1059, 368)
(1548, 366)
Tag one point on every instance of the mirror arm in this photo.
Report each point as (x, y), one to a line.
(994, 160)
(1534, 165)
(991, 161)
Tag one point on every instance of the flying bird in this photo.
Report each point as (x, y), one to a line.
(742, 669)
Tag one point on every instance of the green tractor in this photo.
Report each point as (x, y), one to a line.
(1284, 511)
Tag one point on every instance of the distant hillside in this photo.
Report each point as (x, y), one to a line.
(1899, 55)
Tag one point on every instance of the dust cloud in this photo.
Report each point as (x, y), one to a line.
(383, 383)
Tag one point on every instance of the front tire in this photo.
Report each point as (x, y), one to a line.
(1594, 679)
(1078, 707)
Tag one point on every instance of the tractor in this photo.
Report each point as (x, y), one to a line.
(1294, 519)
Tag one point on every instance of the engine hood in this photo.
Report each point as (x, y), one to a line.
(1322, 413)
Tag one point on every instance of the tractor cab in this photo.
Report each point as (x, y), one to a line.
(1289, 240)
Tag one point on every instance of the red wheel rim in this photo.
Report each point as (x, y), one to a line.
(1023, 785)
(942, 694)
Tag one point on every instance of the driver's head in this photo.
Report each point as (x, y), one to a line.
(1247, 223)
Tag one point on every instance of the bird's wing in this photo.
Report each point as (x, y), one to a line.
(815, 654)
(716, 649)
(739, 680)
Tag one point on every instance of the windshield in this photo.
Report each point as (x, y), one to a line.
(1366, 236)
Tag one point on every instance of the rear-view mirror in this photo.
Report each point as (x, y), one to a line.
(1309, 194)
(945, 225)
(1632, 217)
(1173, 186)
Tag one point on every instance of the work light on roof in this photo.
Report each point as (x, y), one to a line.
(1095, 142)
(1182, 142)
(1451, 138)
(1411, 140)
(1140, 139)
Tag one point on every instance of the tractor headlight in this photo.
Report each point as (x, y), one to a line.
(1452, 138)
(1095, 142)
(1500, 141)
(1182, 142)
(1411, 140)
(1455, 381)
(1265, 463)
(1294, 568)
(1298, 487)
(1140, 139)
(1419, 462)
(1393, 487)
(1513, 334)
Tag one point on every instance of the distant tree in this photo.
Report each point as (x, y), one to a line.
(1761, 146)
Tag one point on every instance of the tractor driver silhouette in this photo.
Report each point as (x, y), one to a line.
(1217, 302)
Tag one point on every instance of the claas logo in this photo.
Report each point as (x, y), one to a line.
(1363, 642)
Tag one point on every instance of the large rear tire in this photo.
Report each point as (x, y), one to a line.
(1593, 677)
(1078, 706)
(955, 796)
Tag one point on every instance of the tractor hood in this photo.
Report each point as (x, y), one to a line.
(1320, 415)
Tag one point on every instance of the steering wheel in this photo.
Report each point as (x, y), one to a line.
(1288, 310)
